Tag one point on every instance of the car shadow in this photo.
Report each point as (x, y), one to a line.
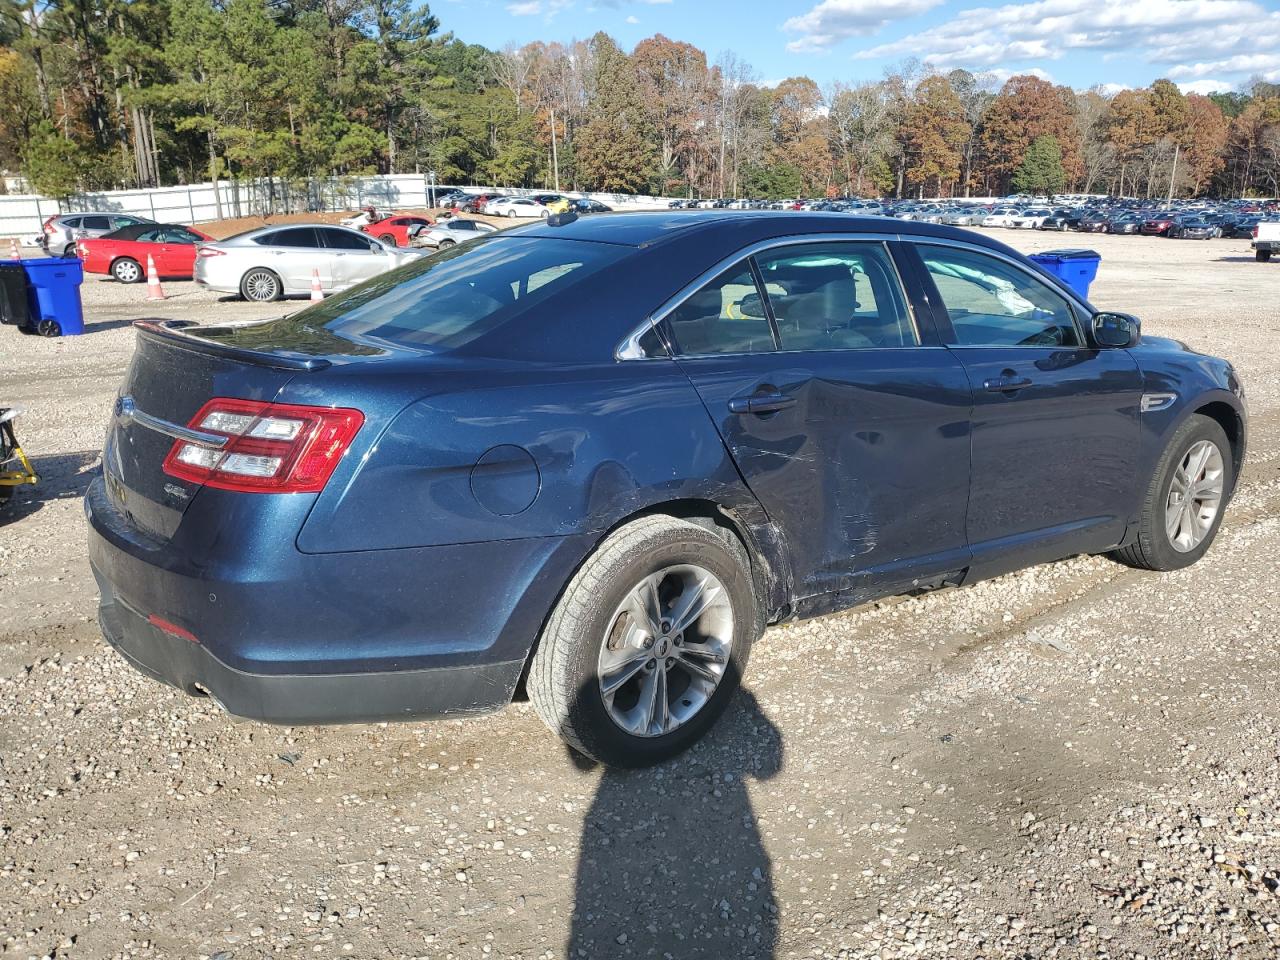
(101, 326)
(672, 863)
(62, 477)
(1248, 259)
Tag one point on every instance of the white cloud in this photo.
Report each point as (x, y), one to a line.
(529, 8)
(1206, 86)
(633, 19)
(1111, 89)
(1158, 31)
(834, 20)
(1001, 74)
(1255, 63)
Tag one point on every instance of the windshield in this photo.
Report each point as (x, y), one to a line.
(449, 299)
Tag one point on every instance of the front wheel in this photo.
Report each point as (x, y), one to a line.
(648, 642)
(1185, 500)
(446, 243)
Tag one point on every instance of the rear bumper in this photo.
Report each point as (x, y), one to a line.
(302, 698)
(290, 637)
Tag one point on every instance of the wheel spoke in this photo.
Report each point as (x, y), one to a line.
(694, 667)
(702, 652)
(654, 700)
(611, 682)
(647, 604)
(693, 603)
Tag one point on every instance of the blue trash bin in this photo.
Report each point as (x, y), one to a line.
(55, 295)
(1075, 268)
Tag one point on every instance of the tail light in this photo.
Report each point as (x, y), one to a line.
(270, 447)
(210, 252)
(48, 225)
(1255, 231)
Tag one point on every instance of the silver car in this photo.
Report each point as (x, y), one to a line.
(445, 233)
(60, 233)
(282, 261)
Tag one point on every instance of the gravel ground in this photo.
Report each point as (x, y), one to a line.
(1077, 760)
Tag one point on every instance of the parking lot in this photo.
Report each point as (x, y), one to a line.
(1075, 760)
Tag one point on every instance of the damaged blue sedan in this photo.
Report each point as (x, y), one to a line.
(595, 458)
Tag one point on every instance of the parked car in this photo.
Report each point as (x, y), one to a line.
(1266, 240)
(960, 216)
(1030, 218)
(446, 233)
(274, 262)
(1157, 225)
(123, 253)
(60, 233)
(1192, 228)
(460, 478)
(516, 207)
(1125, 223)
(1000, 217)
(589, 206)
(1094, 221)
(476, 202)
(547, 198)
(1062, 219)
(396, 230)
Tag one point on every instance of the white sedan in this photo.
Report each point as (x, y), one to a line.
(515, 207)
(285, 260)
(1000, 217)
(1031, 218)
(445, 233)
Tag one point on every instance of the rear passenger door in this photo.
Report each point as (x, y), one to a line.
(294, 252)
(849, 424)
(1055, 420)
(354, 258)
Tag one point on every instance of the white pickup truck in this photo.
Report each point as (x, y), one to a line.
(1266, 240)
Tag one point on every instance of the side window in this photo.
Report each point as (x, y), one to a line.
(462, 225)
(836, 296)
(150, 236)
(341, 240)
(118, 222)
(994, 304)
(293, 237)
(725, 316)
(71, 223)
(97, 223)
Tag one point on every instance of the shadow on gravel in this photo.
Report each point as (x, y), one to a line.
(100, 326)
(1249, 259)
(61, 478)
(672, 863)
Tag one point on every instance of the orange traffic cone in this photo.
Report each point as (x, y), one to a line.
(14, 252)
(317, 292)
(154, 290)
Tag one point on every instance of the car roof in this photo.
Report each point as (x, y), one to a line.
(133, 230)
(728, 229)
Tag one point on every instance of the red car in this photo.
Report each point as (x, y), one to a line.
(123, 253)
(1157, 226)
(394, 230)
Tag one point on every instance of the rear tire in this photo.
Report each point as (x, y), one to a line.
(261, 285)
(389, 240)
(446, 243)
(127, 270)
(1154, 547)
(594, 622)
(69, 250)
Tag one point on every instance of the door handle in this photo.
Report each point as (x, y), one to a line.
(1006, 384)
(761, 403)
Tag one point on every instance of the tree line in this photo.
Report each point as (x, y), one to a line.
(104, 94)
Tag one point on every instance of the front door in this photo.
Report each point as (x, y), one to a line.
(354, 258)
(851, 433)
(1055, 421)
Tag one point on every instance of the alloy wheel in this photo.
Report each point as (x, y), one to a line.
(1195, 496)
(261, 286)
(666, 650)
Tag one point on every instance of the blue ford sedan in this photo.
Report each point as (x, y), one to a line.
(595, 458)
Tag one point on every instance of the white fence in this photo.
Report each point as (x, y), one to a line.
(23, 215)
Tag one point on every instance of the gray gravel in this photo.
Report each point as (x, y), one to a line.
(1077, 760)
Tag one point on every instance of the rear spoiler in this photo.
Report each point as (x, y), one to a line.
(173, 332)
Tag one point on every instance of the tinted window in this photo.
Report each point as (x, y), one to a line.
(118, 222)
(293, 237)
(150, 236)
(462, 225)
(992, 303)
(836, 296)
(71, 222)
(173, 235)
(448, 300)
(97, 223)
(725, 316)
(341, 240)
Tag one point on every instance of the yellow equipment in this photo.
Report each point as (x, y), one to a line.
(15, 468)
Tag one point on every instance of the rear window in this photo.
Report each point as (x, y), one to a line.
(447, 300)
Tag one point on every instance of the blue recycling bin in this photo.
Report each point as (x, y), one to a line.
(1075, 268)
(53, 295)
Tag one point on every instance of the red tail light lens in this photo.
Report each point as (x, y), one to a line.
(270, 448)
(210, 252)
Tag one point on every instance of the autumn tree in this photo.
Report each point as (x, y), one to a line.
(935, 131)
(674, 88)
(615, 148)
(1027, 108)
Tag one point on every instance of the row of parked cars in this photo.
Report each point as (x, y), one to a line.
(491, 203)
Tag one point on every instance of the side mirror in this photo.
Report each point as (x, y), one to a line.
(1116, 329)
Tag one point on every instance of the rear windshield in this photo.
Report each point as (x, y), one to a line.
(447, 300)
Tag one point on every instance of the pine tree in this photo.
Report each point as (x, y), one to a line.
(1041, 170)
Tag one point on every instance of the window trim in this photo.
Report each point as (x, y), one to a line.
(1076, 307)
(629, 348)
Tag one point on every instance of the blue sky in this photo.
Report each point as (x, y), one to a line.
(1200, 44)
